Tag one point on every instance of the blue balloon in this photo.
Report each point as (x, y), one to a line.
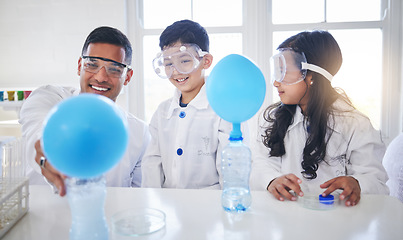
(236, 88)
(85, 136)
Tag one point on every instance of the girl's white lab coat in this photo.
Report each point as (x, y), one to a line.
(354, 149)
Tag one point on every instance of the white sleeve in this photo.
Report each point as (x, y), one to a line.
(365, 154)
(151, 167)
(32, 114)
(393, 162)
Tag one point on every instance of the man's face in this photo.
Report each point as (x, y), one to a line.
(102, 82)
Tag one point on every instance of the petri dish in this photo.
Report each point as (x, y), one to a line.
(137, 222)
(315, 201)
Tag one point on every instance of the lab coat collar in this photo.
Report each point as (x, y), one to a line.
(298, 118)
(340, 109)
(199, 102)
(76, 91)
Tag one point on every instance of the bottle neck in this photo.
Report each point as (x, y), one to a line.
(235, 141)
(236, 133)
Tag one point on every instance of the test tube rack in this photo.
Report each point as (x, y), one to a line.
(14, 185)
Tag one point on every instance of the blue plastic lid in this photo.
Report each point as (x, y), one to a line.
(329, 199)
(235, 138)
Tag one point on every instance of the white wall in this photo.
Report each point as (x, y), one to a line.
(41, 41)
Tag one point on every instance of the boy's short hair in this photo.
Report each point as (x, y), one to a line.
(185, 31)
(111, 36)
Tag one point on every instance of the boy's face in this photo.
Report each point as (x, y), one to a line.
(106, 58)
(189, 83)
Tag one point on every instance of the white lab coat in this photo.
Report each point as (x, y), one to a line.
(200, 134)
(125, 174)
(354, 149)
(393, 163)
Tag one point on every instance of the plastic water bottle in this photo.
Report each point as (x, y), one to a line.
(87, 200)
(235, 168)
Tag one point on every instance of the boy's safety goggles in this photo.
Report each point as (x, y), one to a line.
(113, 69)
(185, 59)
(290, 67)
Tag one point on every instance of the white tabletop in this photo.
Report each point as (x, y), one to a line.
(197, 214)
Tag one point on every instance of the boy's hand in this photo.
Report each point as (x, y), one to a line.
(349, 185)
(280, 187)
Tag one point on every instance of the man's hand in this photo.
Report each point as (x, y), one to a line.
(349, 185)
(53, 176)
(280, 187)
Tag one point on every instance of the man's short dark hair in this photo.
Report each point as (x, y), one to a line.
(112, 36)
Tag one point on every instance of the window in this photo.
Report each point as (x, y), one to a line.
(359, 32)
(368, 32)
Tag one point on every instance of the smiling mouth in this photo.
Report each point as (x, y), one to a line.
(181, 79)
(102, 89)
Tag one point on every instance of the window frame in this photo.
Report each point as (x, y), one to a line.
(257, 22)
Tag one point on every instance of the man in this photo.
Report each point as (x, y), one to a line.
(104, 68)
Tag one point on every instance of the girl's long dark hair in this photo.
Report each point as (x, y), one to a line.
(321, 49)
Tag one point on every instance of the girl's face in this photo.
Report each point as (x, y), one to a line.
(296, 93)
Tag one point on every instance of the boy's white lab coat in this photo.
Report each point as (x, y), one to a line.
(185, 150)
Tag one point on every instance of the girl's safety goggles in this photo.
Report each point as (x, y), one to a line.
(290, 67)
(185, 59)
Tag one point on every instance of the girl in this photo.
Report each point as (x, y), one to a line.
(314, 139)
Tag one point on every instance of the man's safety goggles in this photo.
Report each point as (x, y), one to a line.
(113, 69)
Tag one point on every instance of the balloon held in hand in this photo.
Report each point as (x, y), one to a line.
(85, 136)
(236, 89)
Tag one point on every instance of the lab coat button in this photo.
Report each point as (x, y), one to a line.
(179, 151)
(182, 114)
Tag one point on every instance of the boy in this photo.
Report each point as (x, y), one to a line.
(187, 135)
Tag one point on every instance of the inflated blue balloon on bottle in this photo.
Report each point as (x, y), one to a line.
(85, 136)
(236, 89)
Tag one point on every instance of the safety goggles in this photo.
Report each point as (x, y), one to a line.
(185, 59)
(113, 69)
(290, 67)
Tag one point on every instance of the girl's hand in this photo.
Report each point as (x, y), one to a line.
(280, 187)
(351, 187)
